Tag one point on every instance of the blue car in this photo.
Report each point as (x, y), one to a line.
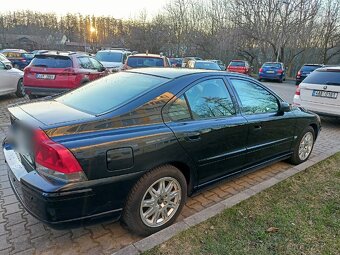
(272, 71)
(19, 58)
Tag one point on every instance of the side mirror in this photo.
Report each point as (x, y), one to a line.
(8, 67)
(284, 107)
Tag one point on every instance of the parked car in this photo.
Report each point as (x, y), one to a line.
(272, 71)
(319, 92)
(19, 58)
(57, 72)
(186, 60)
(146, 60)
(239, 66)
(11, 80)
(219, 62)
(203, 64)
(176, 62)
(113, 59)
(133, 145)
(4, 60)
(304, 71)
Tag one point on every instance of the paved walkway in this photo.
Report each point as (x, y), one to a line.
(20, 233)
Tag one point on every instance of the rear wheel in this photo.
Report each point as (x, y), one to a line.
(304, 146)
(155, 201)
(20, 89)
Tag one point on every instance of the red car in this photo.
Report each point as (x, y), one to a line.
(52, 73)
(239, 66)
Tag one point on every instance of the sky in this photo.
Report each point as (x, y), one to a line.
(119, 9)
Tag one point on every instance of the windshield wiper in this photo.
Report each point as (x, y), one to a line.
(332, 83)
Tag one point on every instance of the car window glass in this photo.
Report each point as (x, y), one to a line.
(179, 111)
(210, 99)
(254, 98)
(98, 66)
(105, 56)
(324, 77)
(85, 63)
(2, 66)
(237, 63)
(51, 61)
(145, 62)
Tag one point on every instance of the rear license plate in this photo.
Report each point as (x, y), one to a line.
(45, 76)
(327, 94)
(270, 71)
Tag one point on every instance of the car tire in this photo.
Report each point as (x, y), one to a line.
(20, 92)
(147, 201)
(303, 147)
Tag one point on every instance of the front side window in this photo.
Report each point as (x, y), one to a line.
(210, 99)
(179, 111)
(254, 98)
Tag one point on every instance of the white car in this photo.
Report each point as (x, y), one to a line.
(4, 60)
(320, 92)
(11, 80)
(113, 59)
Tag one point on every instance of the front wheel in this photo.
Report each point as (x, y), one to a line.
(304, 146)
(155, 201)
(20, 92)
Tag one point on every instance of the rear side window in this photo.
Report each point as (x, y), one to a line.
(324, 77)
(85, 63)
(52, 61)
(210, 99)
(179, 110)
(237, 63)
(113, 91)
(136, 62)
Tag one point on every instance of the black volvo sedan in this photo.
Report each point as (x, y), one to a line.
(135, 144)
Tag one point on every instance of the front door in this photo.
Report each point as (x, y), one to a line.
(208, 127)
(270, 134)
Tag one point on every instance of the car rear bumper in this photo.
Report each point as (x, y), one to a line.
(270, 76)
(52, 203)
(39, 91)
(320, 109)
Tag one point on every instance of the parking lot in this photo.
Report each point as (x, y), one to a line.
(20, 233)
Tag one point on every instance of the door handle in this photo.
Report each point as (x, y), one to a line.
(192, 136)
(257, 127)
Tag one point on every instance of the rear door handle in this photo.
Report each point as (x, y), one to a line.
(192, 136)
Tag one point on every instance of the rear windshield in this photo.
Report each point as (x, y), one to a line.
(324, 77)
(136, 62)
(112, 92)
(28, 55)
(52, 61)
(207, 65)
(237, 63)
(275, 65)
(109, 56)
(309, 68)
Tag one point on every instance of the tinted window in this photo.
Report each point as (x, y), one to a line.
(179, 110)
(85, 63)
(324, 77)
(144, 62)
(210, 99)
(113, 91)
(237, 63)
(207, 65)
(52, 61)
(254, 98)
(109, 56)
(309, 68)
(275, 65)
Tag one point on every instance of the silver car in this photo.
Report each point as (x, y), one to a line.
(4, 60)
(11, 80)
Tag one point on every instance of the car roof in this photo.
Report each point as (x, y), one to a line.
(61, 53)
(14, 50)
(115, 51)
(313, 65)
(272, 63)
(146, 55)
(172, 73)
(329, 68)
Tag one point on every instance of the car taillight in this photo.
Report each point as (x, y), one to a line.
(54, 160)
(23, 60)
(297, 91)
(69, 71)
(279, 71)
(261, 70)
(298, 74)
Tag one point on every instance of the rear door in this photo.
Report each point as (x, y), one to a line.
(208, 127)
(6, 80)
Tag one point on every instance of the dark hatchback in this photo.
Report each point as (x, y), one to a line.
(134, 144)
(304, 71)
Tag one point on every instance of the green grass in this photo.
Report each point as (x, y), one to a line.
(305, 209)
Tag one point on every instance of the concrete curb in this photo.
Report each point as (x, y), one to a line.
(151, 241)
